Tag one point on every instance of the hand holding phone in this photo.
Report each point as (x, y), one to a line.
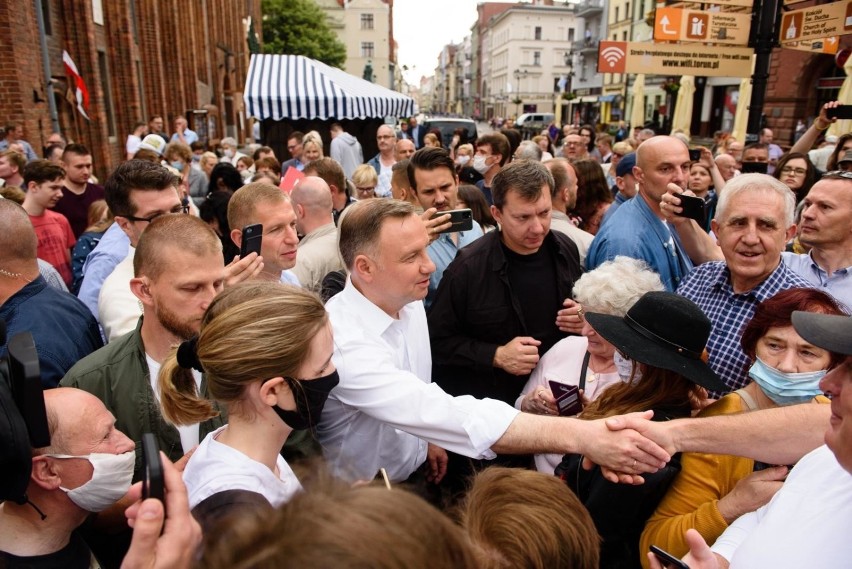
(692, 207)
(567, 398)
(841, 112)
(460, 220)
(153, 483)
(668, 560)
(694, 154)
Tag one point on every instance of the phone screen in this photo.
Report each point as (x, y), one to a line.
(252, 239)
(843, 112)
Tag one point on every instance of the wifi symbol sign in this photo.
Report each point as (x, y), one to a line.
(612, 57)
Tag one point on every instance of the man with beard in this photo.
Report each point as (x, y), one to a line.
(178, 270)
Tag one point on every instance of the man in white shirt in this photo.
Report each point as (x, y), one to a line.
(806, 523)
(385, 412)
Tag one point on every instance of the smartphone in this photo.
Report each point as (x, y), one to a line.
(667, 559)
(754, 168)
(842, 112)
(694, 154)
(567, 398)
(252, 238)
(153, 483)
(461, 220)
(692, 207)
(26, 387)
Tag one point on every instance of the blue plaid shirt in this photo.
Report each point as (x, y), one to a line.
(709, 286)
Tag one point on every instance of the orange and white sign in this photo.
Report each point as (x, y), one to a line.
(676, 24)
(825, 45)
(674, 59)
(816, 22)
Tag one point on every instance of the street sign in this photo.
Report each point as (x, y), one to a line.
(674, 59)
(676, 24)
(817, 22)
(746, 3)
(826, 45)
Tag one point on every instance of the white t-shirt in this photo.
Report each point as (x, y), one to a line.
(133, 143)
(806, 524)
(188, 433)
(215, 467)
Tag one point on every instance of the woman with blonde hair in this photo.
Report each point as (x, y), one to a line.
(312, 147)
(365, 179)
(265, 349)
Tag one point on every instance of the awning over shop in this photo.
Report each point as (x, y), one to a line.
(588, 99)
(607, 98)
(296, 87)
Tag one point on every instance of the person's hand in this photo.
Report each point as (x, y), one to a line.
(706, 157)
(519, 356)
(455, 141)
(181, 463)
(670, 204)
(175, 548)
(623, 453)
(822, 122)
(752, 492)
(437, 459)
(699, 557)
(244, 269)
(540, 401)
(570, 318)
(436, 225)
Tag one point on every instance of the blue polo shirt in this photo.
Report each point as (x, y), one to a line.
(442, 251)
(838, 284)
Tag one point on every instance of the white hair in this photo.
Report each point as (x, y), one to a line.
(528, 150)
(756, 183)
(614, 286)
(228, 141)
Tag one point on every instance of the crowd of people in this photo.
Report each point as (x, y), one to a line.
(636, 342)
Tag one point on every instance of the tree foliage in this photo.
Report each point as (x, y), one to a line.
(299, 27)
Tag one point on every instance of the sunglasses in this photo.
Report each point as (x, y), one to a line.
(180, 209)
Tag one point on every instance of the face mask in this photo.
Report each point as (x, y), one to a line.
(625, 367)
(110, 480)
(229, 153)
(196, 158)
(786, 388)
(462, 160)
(310, 396)
(479, 164)
(177, 165)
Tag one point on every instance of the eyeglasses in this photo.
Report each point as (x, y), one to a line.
(796, 171)
(292, 148)
(384, 136)
(149, 219)
(367, 190)
(846, 175)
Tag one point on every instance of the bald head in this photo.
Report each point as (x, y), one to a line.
(727, 165)
(18, 242)
(69, 410)
(404, 149)
(660, 161)
(312, 201)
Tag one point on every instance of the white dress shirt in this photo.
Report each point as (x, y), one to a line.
(385, 407)
(118, 308)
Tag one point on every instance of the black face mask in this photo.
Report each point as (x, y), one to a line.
(310, 396)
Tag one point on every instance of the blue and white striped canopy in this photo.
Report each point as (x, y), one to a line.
(296, 87)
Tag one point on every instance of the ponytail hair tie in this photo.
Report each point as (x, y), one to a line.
(187, 355)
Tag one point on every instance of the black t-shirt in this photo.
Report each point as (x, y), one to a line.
(533, 281)
(75, 555)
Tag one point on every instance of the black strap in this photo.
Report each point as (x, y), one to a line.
(584, 370)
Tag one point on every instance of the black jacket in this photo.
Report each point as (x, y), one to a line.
(475, 311)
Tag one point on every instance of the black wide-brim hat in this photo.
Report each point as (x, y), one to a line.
(830, 332)
(663, 330)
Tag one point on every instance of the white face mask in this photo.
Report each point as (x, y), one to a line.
(479, 164)
(110, 481)
(229, 152)
(462, 160)
(625, 367)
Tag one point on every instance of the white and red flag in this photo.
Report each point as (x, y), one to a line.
(81, 93)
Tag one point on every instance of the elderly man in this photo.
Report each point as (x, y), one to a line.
(766, 137)
(528, 150)
(574, 147)
(434, 184)
(638, 229)
(318, 252)
(727, 165)
(383, 162)
(261, 203)
(87, 468)
(403, 149)
(735, 149)
(63, 330)
(14, 135)
(182, 131)
(382, 355)
(177, 271)
(806, 523)
(564, 198)
(754, 220)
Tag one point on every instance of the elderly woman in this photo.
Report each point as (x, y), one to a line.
(612, 288)
(365, 179)
(179, 157)
(713, 490)
(664, 335)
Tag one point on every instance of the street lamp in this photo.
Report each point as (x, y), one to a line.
(519, 74)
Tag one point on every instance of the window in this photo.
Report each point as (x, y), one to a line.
(104, 73)
(616, 14)
(45, 10)
(627, 10)
(367, 49)
(536, 58)
(366, 21)
(624, 35)
(570, 34)
(538, 32)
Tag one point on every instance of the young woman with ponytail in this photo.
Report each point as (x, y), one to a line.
(266, 351)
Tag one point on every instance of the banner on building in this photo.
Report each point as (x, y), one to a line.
(672, 59)
(81, 93)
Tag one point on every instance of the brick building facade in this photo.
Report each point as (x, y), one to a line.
(138, 58)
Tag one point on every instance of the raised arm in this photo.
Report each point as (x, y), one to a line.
(820, 124)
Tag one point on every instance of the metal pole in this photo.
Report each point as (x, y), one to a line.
(764, 18)
(45, 62)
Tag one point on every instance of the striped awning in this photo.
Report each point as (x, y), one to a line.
(296, 87)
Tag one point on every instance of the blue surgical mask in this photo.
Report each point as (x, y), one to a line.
(786, 388)
(177, 165)
(627, 368)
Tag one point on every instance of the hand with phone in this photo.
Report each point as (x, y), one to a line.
(699, 557)
(243, 269)
(435, 224)
(540, 401)
(162, 540)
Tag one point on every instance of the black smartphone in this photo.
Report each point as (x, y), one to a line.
(694, 154)
(461, 220)
(153, 483)
(252, 238)
(667, 559)
(842, 112)
(567, 398)
(754, 168)
(692, 207)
